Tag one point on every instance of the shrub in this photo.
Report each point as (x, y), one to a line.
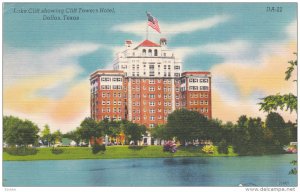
(223, 147)
(208, 149)
(57, 151)
(170, 146)
(96, 148)
(20, 151)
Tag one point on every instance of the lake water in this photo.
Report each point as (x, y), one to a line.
(197, 171)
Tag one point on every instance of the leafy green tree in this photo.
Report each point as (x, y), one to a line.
(187, 125)
(287, 101)
(74, 135)
(57, 136)
(160, 132)
(277, 126)
(46, 135)
(133, 131)
(89, 128)
(19, 132)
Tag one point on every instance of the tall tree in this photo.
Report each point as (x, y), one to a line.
(133, 131)
(187, 125)
(46, 135)
(89, 128)
(19, 132)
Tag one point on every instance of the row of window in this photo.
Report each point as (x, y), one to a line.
(200, 102)
(152, 74)
(196, 80)
(119, 118)
(108, 110)
(196, 88)
(114, 103)
(201, 95)
(114, 95)
(152, 81)
(137, 111)
(113, 87)
(151, 118)
(113, 79)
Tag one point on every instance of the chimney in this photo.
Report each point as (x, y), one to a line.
(163, 41)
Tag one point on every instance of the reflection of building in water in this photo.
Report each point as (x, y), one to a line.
(146, 85)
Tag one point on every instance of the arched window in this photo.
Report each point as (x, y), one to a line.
(150, 52)
(155, 52)
(144, 52)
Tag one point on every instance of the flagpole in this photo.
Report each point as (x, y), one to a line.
(147, 32)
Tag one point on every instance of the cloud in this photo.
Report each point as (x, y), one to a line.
(238, 87)
(234, 50)
(291, 30)
(27, 74)
(171, 29)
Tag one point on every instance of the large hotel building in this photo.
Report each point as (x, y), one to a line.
(146, 85)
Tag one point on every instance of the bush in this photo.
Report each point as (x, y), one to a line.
(57, 151)
(170, 147)
(96, 148)
(20, 151)
(208, 149)
(223, 147)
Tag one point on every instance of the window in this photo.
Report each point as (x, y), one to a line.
(119, 94)
(151, 88)
(115, 94)
(151, 96)
(103, 94)
(152, 110)
(206, 110)
(108, 110)
(151, 125)
(108, 103)
(115, 102)
(119, 110)
(103, 102)
(206, 102)
(152, 118)
(144, 52)
(155, 52)
(152, 103)
(150, 52)
(176, 67)
(151, 81)
(103, 110)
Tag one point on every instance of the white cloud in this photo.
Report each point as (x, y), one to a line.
(171, 29)
(43, 86)
(231, 50)
(291, 30)
(22, 63)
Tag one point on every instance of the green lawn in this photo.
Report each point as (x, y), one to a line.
(112, 152)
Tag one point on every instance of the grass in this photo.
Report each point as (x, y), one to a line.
(112, 152)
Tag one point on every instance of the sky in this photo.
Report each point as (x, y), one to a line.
(47, 63)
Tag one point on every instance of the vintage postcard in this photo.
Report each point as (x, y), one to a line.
(150, 95)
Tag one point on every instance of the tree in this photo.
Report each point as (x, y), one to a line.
(57, 136)
(46, 135)
(276, 125)
(187, 125)
(19, 132)
(134, 132)
(89, 128)
(160, 132)
(74, 135)
(287, 101)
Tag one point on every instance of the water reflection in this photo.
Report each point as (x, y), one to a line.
(184, 161)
